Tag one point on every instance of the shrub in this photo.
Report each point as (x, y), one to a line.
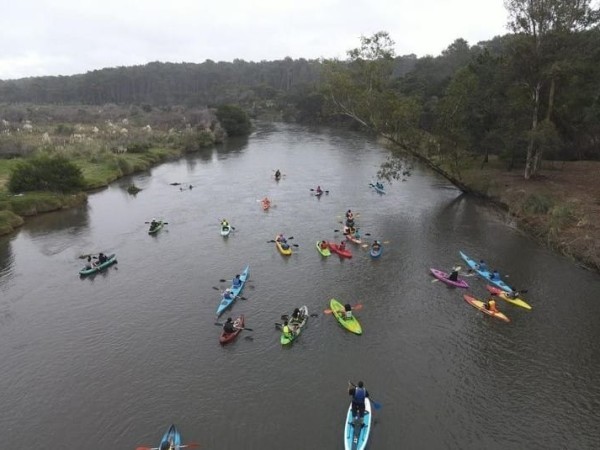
(537, 204)
(46, 173)
(234, 119)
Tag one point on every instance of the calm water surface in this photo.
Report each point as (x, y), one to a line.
(112, 360)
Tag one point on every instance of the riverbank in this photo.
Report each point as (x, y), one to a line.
(560, 207)
(97, 172)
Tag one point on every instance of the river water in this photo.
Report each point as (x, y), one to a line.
(112, 360)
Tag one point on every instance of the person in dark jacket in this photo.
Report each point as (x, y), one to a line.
(358, 394)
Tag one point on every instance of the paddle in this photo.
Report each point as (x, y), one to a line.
(314, 190)
(375, 404)
(164, 223)
(292, 245)
(190, 445)
(237, 296)
(354, 308)
(243, 328)
(227, 281)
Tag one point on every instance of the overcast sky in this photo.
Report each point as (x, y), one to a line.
(65, 37)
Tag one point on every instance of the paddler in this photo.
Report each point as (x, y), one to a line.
(358, 394)
(347, 311)
(454, 274)
(228, 326)
(287, 332)
(491, 305)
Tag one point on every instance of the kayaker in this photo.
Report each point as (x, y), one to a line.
(287, 332)
(379, 185)
(454, 274)
(237, 281)
(89, 264)
(350, 223)
(342, 246)
(319, 190)
(358, 394)
(349, 215)
(482, 266)
(266, 201)
(277, 174)
(495, 275)
(153, 224)
(491, 305)
(323, 245)
(224, 223)
(376, 245)
(513, 294)
(227, 294)
(356, 234)
(347, 311)
(228, 326)
(102, 258)
(296, 316)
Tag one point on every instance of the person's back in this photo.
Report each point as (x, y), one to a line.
(347, 311)
(358, 394)
(323, 245)
(237, 281)
(491, 305)
(228, 326)
(342, 246)
(453, 274)
(287, 330)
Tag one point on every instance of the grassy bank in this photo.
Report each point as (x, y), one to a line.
(560, 207)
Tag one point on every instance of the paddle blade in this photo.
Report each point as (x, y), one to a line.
(376, 405)
(328, 311)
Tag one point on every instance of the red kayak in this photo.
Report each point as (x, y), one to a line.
(226, 338)
(335, 248)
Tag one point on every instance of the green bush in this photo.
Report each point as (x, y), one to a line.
(138, 147)
(46, 173)
(538, 204)
(234, 119)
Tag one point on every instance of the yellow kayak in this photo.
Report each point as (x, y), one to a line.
(504, 296)
(283, 251)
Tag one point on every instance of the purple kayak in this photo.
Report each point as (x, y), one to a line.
(443, 276)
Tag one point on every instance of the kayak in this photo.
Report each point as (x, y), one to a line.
(478, 304)
(376, 253)
(172, 438)
(225, 230)
(504, 296)
(226, 338)
(266, 204)
(335, 248)
(323, 251)
(338, 311)
(97, 268)
(443, 276)
(352, 236)
(381, 190)
(318, 194)
(157, 228)
(296, 330)
(235, 292)
(356, 431)
(284, 251)
(486, 274)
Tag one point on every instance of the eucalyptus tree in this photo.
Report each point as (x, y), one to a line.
(537, 22)
(363, 88)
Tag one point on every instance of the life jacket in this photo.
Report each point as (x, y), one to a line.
(287, 331)
(359, 395)
(492, 306)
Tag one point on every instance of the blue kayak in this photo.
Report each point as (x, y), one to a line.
(356, 431)
(171, 439)
(235, 292)
(376, 253)
(485, 273)
(378, 188)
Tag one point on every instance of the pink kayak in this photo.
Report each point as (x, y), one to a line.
(443, 276)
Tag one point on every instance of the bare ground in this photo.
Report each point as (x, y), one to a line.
(572, 225)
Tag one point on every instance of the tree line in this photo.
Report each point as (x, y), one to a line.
(531, 94)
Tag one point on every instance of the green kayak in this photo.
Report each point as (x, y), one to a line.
(155, 229)
(296, 327)
(352, 324)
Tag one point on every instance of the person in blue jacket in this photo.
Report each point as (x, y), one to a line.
(358, 394)
(237, 281)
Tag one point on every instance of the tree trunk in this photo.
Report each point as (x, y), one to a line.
(531, 148)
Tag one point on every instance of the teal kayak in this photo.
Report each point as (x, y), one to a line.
(356, 431)
(235, 292)
(486, 273)
(156, 228)
(98, 267)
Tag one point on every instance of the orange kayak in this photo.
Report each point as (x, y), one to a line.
(478, 304)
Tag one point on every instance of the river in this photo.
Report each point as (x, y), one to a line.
(110, 361)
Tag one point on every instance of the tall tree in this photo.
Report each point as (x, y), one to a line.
(536, 21)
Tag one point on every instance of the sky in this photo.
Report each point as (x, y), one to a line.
(66, 37)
